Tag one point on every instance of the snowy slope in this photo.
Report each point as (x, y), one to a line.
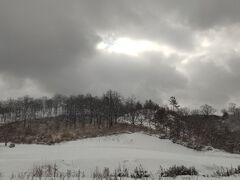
(129, 150)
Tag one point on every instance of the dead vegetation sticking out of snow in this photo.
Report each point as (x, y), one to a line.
(52, 172)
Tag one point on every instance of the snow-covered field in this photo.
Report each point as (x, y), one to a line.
(128, 150)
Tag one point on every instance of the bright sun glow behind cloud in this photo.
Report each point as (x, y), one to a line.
(132, 47)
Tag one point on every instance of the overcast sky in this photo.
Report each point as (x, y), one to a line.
(146, 48)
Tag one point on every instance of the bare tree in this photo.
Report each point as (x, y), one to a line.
(112, 102)
(207, 110)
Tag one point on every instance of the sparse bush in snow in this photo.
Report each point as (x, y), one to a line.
(140, 173)
(106, 173)
(123, 172)
(178, 171)
(51, 172)
(221, 171)
(48, 172)
(97, 174)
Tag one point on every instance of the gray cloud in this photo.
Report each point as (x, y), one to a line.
(37, 37)
(49, 47)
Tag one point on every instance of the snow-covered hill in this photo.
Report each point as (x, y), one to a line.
(127, 150)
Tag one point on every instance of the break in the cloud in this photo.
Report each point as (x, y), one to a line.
(149, 49)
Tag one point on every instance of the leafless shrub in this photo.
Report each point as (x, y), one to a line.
(222, 171)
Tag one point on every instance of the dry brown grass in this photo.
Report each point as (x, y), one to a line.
(45, 134)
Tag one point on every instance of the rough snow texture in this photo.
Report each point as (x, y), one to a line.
(127, 150)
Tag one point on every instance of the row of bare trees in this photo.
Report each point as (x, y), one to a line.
(72, 109)
(87, 108)
(176, 122)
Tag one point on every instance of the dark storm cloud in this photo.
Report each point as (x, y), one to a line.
(50, 45)
(38, 37)
(145, 77)
(204, 13)
(212, 82)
